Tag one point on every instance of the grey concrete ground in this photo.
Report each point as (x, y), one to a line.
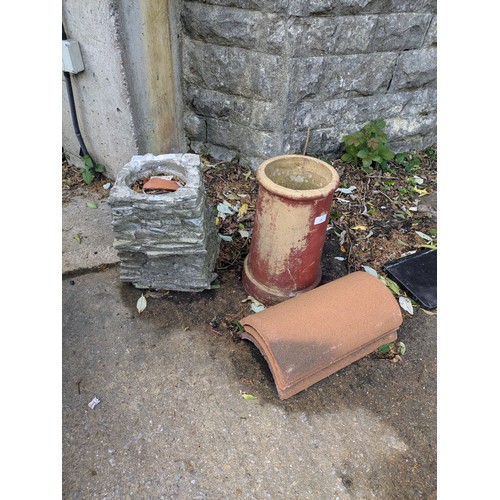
(87, 238)
(172, 422)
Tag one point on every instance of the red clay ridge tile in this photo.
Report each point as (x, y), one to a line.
(160, 184)
(313, 335)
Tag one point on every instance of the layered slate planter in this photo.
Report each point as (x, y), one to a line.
(165, 241)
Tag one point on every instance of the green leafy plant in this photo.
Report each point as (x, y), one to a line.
(240, 329)
(410, 161)
(368, 147)
(90, 169)
(431, 152)
(391, 350)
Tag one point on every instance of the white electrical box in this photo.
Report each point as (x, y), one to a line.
(72, 57)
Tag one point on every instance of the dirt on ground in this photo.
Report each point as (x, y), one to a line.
(376, 217)
(387, 398)
(375, 214)
(73, 184)
(171, 383)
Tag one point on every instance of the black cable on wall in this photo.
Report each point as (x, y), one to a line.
(72, 108)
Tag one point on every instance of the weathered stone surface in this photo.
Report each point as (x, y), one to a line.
(327, 140)
(410, 118)
(255, 30)
(259, 75)
(328, 35)
(308, 7)
(195, 126)
(353, 7)
(319, 36)
(261, 5)
(244, 139)
(397, 32)
(342, 76)
(429, 6)
(403, 129)
(350, 112)
(164, 241)
(415, 69)
(231, 70)
(260, 115)
(431, 37)
(405, 134)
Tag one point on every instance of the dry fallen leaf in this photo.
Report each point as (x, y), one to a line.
(247, 396)
(370, 270)
(243, 210)
(421, 192)
(406, 304)
(430, 313)
(141, 303)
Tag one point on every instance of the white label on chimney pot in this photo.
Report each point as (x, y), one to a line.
(321, 218)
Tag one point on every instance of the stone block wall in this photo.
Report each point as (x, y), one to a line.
(258, 74)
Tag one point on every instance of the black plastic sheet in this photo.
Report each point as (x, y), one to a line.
(417, 275)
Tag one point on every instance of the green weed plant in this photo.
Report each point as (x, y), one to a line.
(368, 147)
(90, 169)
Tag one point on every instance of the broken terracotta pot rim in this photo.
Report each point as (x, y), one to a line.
(331, 182)
(159, 183)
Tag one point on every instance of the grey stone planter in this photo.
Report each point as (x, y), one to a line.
(164, 241)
